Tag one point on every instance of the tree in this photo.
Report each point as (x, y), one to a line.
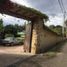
(10, 29)
(57, 29)
(1, 29)
(19, 28)
(1, 25)
(13, 29)
(52, 27)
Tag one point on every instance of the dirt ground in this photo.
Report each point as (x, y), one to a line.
(41, 60)
(11, 49)
(14, 57)
(11, 54)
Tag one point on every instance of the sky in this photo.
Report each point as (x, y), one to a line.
(49, 7)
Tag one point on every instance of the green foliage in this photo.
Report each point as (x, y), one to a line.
(1, 25)
(51, 27)
(57, 29)
(19, 28)
(13, 29)
(65, 22)
(10, 29)
(1, 29)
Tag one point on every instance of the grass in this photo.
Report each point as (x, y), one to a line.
(55, 50)
(58, 47)
(50, 54)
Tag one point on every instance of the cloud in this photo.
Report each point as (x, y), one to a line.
(49, 7)
(22, 2)
(56, 20)
(11, 20)
(46, 6)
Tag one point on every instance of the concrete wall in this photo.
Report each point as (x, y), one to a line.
(42, 37)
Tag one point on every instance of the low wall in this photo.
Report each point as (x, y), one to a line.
(42, 37)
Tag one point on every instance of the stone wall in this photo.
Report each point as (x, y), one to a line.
(42, 37)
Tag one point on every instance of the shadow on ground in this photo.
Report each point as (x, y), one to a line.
(58, 47)
(26, 63)
(8, 59)
(15, 60)
(39, 60)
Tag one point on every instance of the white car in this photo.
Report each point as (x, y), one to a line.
(11, 41)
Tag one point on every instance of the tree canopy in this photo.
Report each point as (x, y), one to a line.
(10, 30)
(1, 25)
(57, 29)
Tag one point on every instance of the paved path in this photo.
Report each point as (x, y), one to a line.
(42, 61)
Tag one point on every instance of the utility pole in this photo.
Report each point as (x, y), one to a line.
(64, 15)
(66, 28)
(64, 25)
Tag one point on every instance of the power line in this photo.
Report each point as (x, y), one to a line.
(64, 14)
(60, 6)
(64, 17)
(63, 6)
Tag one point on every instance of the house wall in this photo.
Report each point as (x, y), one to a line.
(42, 37)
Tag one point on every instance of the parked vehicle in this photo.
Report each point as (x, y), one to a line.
(1, 41)
(10, 41)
